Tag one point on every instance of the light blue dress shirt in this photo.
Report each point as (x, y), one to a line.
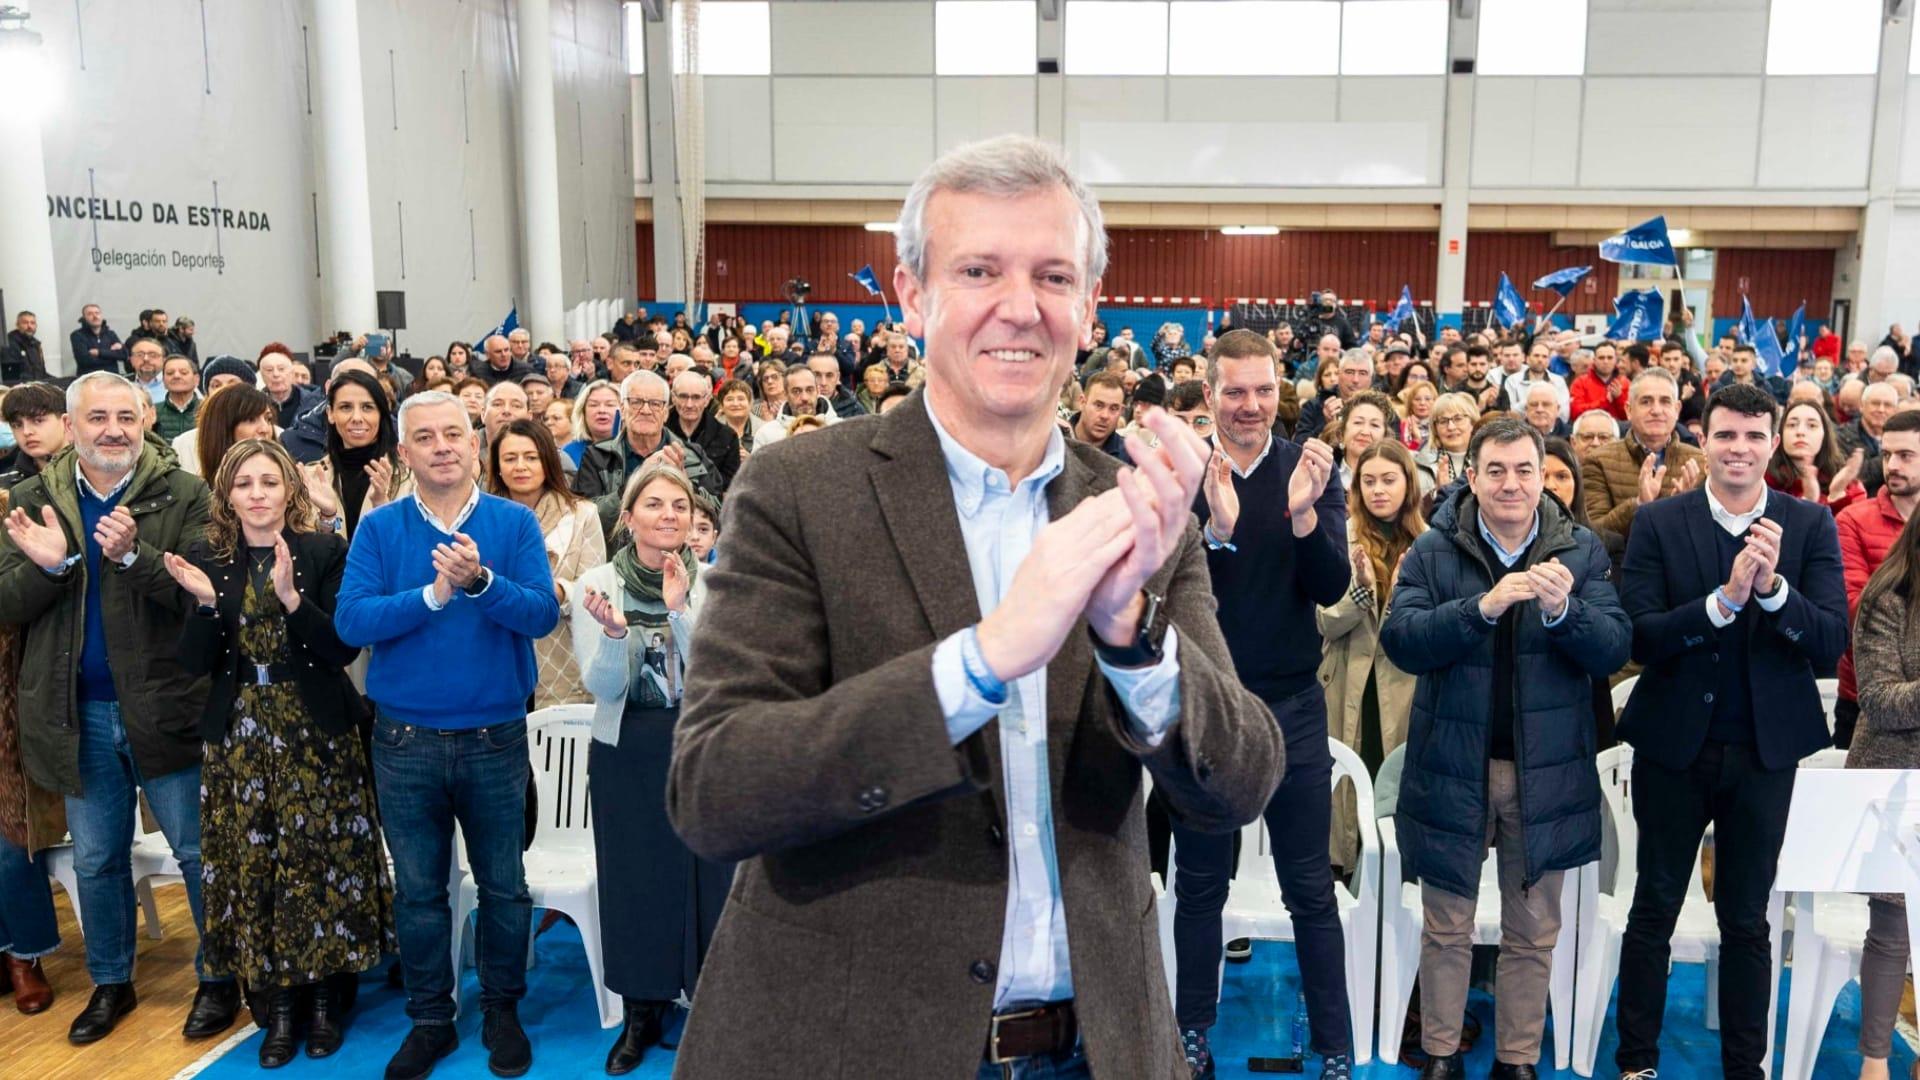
(999, 523)
(1509, 558)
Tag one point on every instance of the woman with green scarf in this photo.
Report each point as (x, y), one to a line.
(633, 625)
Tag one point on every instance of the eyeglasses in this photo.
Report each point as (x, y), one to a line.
(1200, 423)
(646, 404)
(690, 399)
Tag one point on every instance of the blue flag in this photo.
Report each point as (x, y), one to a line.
(1508, 305)
(1402, 311)
(866, 279)
(1636, 316)
(1766, 343)
(1744, 330)
(1646, 243)
(507, 325)
(1563, 281)
(1790, 353)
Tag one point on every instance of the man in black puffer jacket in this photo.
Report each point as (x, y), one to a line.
(1506, 611)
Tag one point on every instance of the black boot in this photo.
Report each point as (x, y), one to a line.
(423, 1046)
(323, 1026)
(281, 1041)
(645, 1020)
(1450, 1067)
(508, 1051)
(214, 1007)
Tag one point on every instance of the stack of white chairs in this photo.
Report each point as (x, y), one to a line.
(1255, 909)
(561, 872)
(1402, 918)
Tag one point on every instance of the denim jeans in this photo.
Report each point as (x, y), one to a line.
(1298, 818)
(28, 929)
(427, 779)
(101, 821)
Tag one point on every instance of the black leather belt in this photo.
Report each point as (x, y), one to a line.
(263, 674)
(1042, 1032)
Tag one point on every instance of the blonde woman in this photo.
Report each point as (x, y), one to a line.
(1368, 698)
(1444, 459)
(287, 793)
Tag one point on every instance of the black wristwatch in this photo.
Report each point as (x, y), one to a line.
(1145, 649)
(479, 583)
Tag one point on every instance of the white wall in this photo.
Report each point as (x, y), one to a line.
(232, 107)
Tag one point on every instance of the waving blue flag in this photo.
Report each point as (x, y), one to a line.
(1402, 311)
(866, 279)
(507, 326)
(1744, 330)
(1636, 316)
(1563, 281)
(1790, 352)
(1766, 343)
(1646, 243)
(1508, 305)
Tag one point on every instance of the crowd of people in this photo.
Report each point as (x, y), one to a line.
(308, 618)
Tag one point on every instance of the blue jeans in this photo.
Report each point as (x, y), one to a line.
(427, 779)
(1068, 1066)
(1298, 819)
(27, 926)
(101, 821)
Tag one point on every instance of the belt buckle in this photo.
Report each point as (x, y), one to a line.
(262, 675)
(993, 1039)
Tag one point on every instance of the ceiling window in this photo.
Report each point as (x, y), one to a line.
(1393, 37)
(1824, 37)
(736, 38)
(1532, 37)
(1116, 37)
(1254, 37)
(984, 37)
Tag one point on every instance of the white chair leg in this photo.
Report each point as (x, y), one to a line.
(611, 1008)
(1360, 983)
(1168, 958)
(63, 874)
(1598, 970)
(144, 888)
(1713, 985)
(1400, 964)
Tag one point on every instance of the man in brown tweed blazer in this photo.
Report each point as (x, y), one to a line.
(921, 694)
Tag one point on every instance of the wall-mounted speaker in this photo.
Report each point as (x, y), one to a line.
(1049, 66)
(1463, 67)
(392, 308)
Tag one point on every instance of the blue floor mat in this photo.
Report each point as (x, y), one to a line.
(1255, 1020)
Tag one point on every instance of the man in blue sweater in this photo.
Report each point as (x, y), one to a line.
(1276, 534)
(450, 588)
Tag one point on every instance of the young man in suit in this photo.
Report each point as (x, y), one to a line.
(1737, 597)
(923, 891)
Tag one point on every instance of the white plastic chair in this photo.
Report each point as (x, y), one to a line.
(1829, 697)
(1402, 918)
(561, 872)
(1254, 907)
(153, 864)
(1829, 937)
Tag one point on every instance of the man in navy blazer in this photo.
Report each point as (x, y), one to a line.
(1737, 598)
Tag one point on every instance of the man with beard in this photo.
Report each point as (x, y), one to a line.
(1868, 529)
(1650, 463)
(1098, 421)
(94, 345)
(22, 360)
(113, 714)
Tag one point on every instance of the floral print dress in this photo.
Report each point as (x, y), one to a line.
(295, 879)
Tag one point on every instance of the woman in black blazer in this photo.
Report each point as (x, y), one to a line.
(295, 881)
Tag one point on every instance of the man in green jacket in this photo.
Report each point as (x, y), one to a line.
(105, 707)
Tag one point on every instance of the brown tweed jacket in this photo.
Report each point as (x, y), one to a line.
(863, 932)
(1612, 479)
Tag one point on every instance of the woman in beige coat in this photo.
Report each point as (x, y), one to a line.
(1886, 653)
(1368, 698)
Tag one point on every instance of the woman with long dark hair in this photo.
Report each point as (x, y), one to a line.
(633, 622)
(1368, 698)
(1809, 463)
(1886, 656)
(525, 466)
(296, 891)
(361, 470)
(231, 414)
(459, 360)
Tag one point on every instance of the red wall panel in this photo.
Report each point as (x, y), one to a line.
(1357, 264)
(758, 260)
(1527, 256)
(645, 282)
(1777, 281)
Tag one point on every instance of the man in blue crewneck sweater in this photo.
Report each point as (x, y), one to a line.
(1276, 534)
(450, 587)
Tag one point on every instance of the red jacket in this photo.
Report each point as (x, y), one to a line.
(1588, 392)
(1828, 346)
(1868, 529)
